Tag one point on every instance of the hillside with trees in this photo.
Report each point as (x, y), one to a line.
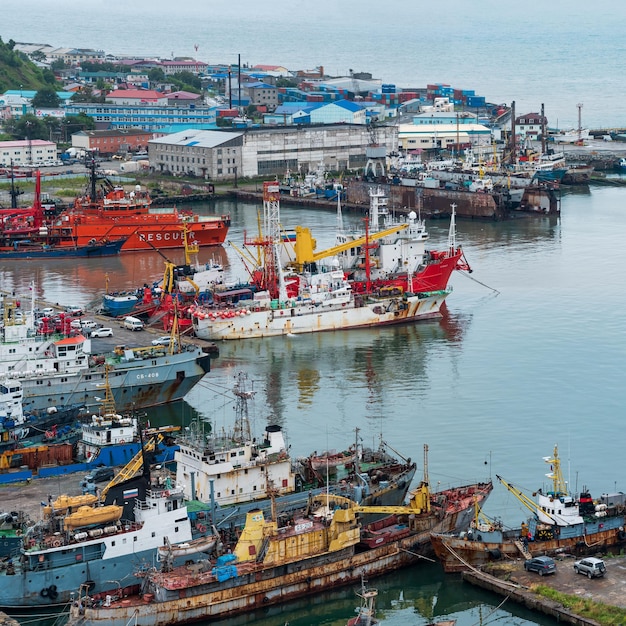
(17, 71)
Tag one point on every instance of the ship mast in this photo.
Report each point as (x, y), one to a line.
(242, 421)
(559, 487)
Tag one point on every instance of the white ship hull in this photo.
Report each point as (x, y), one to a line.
(294, 318)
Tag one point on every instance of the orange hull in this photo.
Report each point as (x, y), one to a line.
(147, 231)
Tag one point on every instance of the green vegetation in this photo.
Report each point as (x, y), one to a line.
(585, 607)
(17, 71)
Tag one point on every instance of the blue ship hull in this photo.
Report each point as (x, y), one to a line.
(116, 306)
(110, 248)
(122, 453)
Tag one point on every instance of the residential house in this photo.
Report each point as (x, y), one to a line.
(262, 94)
(530, 126)
(137, 97)
(182, 65)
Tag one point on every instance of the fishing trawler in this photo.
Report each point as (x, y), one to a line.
(317, 300)
(89, 540)
(60, 369)
(236, 472)
(558, 523)
(271, 563)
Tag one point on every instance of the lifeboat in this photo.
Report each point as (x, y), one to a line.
(87, 515)
(64, 502)
(187, 548)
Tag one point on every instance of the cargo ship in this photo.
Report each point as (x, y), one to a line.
(109, 210)
(271, 563)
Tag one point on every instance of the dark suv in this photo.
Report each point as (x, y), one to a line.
(99, 474)
(541, 564)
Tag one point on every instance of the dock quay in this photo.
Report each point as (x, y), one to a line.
(513, 582)
(5, 620)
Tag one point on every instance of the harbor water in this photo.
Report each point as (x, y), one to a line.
(530, 350)
(528, 354)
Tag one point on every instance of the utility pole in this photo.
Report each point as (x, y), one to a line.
(543, 130)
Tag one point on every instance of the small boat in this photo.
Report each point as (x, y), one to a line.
(187, 548)
(366, 613)
(65, 503)
(330, 459)
(87, 516)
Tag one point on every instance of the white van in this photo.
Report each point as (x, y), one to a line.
(133, 323)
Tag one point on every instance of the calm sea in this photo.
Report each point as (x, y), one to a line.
(556, 53)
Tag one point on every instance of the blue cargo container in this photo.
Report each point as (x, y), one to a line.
(475, 101)
(468, 92)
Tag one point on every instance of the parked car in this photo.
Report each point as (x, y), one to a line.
(593, 567)
(133, 323)
(541, 564)
(164, 340)
(102, 332)
(88, 324)
(74, 311)
(99, 474)
(48, 311)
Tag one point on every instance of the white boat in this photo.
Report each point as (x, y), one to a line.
(571, 136)
(188, 548)
(318, 300)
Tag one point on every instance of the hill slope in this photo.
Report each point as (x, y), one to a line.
(17, 71)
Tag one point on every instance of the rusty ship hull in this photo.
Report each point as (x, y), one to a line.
(191, 597)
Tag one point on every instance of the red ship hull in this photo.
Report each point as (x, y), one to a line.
(434, 277)
(147, 231)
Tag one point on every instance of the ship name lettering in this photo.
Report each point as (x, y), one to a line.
(150, 375)
(299, 528)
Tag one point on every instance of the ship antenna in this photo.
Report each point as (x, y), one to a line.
(452, 231)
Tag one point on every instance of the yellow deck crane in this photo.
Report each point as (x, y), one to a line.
(305, 244)
(134, 466)
(529, 503)
(419, 499)
(169, 280)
